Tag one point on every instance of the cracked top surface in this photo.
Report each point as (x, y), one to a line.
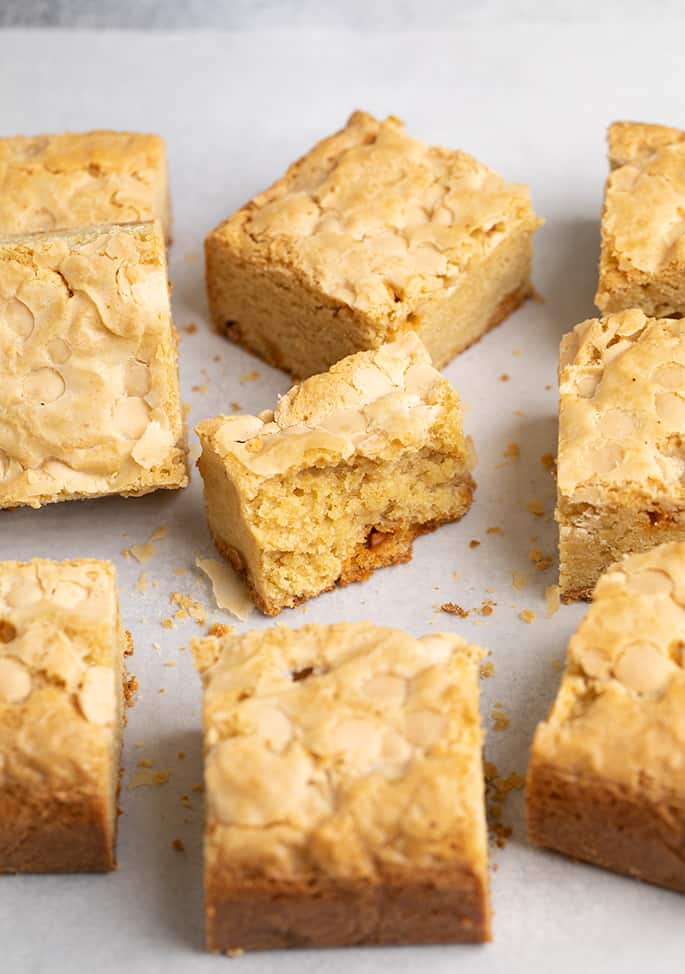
(347, 749)
(380, 221)
(643, 225)
(367, 404)
(89, 401)
(60, 667)
(49, 182)
(622, 410)
(620, 712)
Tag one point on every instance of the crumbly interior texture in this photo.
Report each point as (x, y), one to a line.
(621, 462)
(351, 466)
(642, 263)
(53, 182)
(344, 788)
(369, 235)
(607, 777)
(61, 715)
(89, 396)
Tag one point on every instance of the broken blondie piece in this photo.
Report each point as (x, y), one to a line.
(89, 396)
(344, 789)
(369, 235)
(351, 466)
(606, 781)
(621, 459)
(61, 715)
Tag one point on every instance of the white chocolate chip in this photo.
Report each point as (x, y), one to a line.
(154, 446)
(25, 592)
(137, 378)
(586, 385)
(44, 385)
(68, 594)
(391, 690)
(15, 680)
(425, 727)
(670, 408)
(642, 668)
(272, 725)
(652, 581)
(605, 458)
(594, 662)
(438, 646)
(19, 318)
(617, 424)
(671, 376)
(96, 698)
(130, 417)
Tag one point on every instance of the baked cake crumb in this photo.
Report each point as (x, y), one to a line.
(527, 615)
(177, 844)
(536, 507)
(519, 580)
(453, 609)
(553, 600)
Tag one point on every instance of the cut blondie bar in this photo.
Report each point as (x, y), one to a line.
(52, 182)
(344, 789)
(89, 398)
(61, 715)
(642, 263)
(621, 463)
(607, 775)
(369, 235)
(351, 466)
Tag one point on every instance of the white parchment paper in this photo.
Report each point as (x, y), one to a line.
(532, 102)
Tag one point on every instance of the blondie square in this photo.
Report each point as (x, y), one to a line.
(606, 781)
(61, 715)
(344, 788)
(89, 398)
(642, 263)
(369, 235)
(621, 462)
(340, 478)
(52, 182)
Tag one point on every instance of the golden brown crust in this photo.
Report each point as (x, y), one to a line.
(89, 391)
(80, 179)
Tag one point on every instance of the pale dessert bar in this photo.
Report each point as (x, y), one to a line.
(606, 781)
(340, 478)
(642, 263)
(369, 235)
(52, 182)
(344, 789)
(61, 715)
(89, 397)
(621, 462)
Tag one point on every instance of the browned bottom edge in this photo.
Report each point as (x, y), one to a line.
(338, 914)
(597, 822)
